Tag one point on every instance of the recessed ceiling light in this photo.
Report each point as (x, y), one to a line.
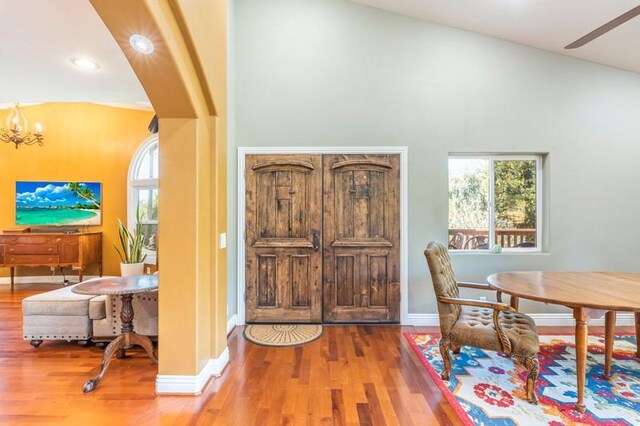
(141, 44)
(85, 64)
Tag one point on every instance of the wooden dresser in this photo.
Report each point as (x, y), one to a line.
(50, 249)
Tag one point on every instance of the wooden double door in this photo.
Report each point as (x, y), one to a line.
(322, 238)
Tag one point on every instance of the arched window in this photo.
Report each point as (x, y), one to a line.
(143, 193)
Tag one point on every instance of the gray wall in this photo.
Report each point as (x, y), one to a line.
(331, 72)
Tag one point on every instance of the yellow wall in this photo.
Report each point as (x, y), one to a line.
(185, 80)
(205, 24)
(83, 142)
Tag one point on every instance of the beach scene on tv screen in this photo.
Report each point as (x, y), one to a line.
(58, 203)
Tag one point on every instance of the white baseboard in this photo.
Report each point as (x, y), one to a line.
(558, 319)
(231, 323)
(45, 279)
(192, 385)
(426, 320)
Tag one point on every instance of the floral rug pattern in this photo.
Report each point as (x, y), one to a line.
(487, 388)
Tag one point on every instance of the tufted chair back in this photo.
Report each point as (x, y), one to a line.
(444, 284)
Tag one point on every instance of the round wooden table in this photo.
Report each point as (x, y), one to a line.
(125, 287)
(589, 294)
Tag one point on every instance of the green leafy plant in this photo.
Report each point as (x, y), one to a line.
(131, 243)
(81, 190)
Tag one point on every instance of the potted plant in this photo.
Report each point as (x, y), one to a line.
(131, 248)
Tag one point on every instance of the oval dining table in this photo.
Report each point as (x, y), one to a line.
(589, 294)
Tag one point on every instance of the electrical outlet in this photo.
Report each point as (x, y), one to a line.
(223, 240)
(483, 298)
(53, 269)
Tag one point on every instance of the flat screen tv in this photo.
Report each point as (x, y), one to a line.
(58, 203)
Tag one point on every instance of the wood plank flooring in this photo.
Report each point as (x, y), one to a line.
(352, 375)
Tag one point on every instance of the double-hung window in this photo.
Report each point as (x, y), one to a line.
(143, 193)
(495, 200)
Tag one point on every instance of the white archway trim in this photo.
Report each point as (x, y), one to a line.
(150, 140)
(404, 211)
(133, 183)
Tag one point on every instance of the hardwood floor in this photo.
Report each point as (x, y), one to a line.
(352, 375)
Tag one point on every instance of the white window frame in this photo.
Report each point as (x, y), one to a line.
(492, 158)
(134, 185)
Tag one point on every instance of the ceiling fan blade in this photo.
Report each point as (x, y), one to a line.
(605, 28)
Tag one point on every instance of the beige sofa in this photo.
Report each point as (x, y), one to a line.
(62, 314)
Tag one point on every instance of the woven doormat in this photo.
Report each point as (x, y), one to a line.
(282, 334)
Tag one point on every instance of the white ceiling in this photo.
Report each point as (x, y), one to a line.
(545, 24)
(38, 39)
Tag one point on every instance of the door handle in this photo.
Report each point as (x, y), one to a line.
(316, 240)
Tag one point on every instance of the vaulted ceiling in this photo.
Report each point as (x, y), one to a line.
(39, 39)
(545, 24)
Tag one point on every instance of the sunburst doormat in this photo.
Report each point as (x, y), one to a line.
(487, 389)
(282, 334)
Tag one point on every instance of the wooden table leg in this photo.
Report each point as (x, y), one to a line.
(582, 334)
(127, 339)
(13, 273)
(514, 302)
(609, 335)
(638, 334)
(113, 347)
(146, 344)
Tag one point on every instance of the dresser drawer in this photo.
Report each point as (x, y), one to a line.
(30, 259)
(31, 239)
(32, 249)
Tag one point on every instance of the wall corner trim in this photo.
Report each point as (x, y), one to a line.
(231, 323)
(192, 385)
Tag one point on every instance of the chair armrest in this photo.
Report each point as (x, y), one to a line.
(478, 286)
(497, 308)
(476, 303)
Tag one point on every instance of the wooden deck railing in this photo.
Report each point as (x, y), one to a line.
(471, 239)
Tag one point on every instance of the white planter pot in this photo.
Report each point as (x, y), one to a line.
(131, 269)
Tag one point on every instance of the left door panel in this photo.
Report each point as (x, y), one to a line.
(283, 238)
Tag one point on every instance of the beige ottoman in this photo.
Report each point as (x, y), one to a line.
(56, 315)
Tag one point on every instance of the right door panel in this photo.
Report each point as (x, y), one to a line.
(361, 238)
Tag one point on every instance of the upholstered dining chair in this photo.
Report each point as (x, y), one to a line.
(482, 324)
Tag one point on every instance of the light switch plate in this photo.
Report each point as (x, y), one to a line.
(223, 240)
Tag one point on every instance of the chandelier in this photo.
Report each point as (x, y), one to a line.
(17, 129)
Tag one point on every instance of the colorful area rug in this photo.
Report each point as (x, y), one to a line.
(486, 388)
(282, 334)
